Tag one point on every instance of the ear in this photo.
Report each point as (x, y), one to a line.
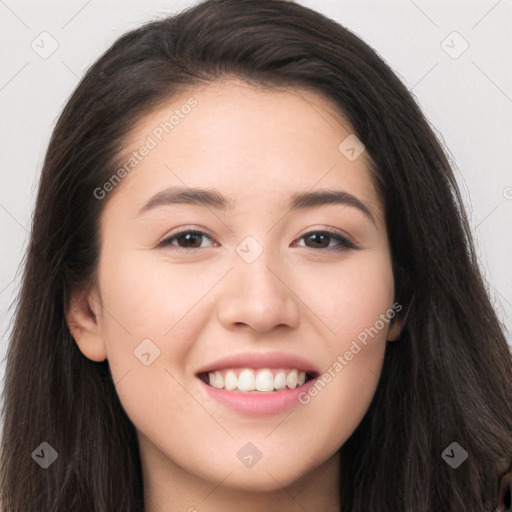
(395, 329)
(398, 322)
(83, 316)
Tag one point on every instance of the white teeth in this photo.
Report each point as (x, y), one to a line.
(262, 380)
(231, 381)
(265, 380)
(247, 381)
(213, 379)
(291, 379)
(220, 379)
(280, 380)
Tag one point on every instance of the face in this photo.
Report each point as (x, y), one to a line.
(243, 286)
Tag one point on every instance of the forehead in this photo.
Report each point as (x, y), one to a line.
(250, 142)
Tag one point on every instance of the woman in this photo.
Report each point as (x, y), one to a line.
(251, 285)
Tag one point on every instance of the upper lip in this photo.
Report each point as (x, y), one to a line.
(261, 360)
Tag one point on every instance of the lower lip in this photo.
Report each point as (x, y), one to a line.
(258, 403)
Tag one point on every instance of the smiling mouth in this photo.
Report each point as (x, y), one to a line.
(261, 380)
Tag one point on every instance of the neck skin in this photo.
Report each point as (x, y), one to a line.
(169, 488)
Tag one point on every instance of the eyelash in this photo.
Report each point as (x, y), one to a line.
(343, 242)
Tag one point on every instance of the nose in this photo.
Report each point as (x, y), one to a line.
(258, 295)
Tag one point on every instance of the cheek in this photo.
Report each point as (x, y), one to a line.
(149, 297)
(149, 327)
(348, 296)
(355, 304)
(151, 306)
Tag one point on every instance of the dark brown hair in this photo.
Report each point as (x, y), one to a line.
(449, 378)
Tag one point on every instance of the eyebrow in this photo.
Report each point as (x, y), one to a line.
(302, 200)
(214, 199)
(190, 196)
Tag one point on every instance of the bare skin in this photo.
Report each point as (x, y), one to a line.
(200, 300)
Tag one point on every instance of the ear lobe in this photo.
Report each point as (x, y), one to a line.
(84, 321)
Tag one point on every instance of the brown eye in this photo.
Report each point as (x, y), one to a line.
(185, 240)
(319, 240)
(322, 239)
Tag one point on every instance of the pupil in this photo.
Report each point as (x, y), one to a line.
(188, 237)
(317, 235)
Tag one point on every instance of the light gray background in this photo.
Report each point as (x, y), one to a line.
(468, 99)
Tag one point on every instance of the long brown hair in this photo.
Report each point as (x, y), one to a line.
(448, 379)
